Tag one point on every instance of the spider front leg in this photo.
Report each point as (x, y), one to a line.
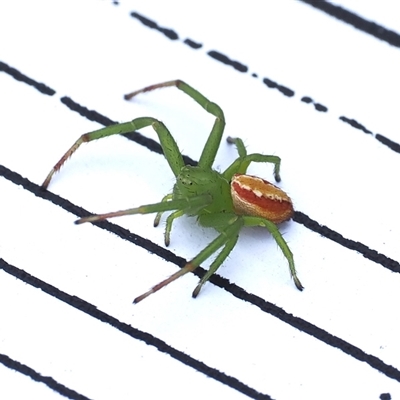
(168, 225)
(214, 139)
(170, 219)
(157, 219)
(240, 165)
(168, 144)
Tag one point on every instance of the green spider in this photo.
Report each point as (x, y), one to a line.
(225, 201)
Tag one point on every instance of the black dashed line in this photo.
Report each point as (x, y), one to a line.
(36, 376)
(307, 100)
(145, 21)
(216, 55)
(193, 44)
(355, 124)
(268, 82)
(384, 140)
(169, 33)
(137, 334)
(274, 85)
(91, 115)
(286, 91)
(320, 107)
(317, 106)
(23, 78)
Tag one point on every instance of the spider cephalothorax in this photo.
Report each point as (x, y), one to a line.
(195, 181)
(224, 201)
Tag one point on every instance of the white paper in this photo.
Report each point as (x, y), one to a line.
(316, 91)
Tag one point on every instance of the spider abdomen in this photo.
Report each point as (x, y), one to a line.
(259, 198)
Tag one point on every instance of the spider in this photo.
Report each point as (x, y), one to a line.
(226, 201)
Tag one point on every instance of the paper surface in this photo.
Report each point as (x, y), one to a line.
(317, 87)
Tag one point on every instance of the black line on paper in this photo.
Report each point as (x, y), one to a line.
(135, 333)
(36, 376)
(17, 75)
(217, 280)
(362, 24)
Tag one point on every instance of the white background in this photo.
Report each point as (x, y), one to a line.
(94, 52)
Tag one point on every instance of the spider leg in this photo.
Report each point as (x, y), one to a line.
(240, 165)
(157, 219)
(170, 219)
(168, 144)
(168, 225)
(241, 149)
(211, 147)
(273, 229)
(224, 253)
(230, 233)
(178, 204)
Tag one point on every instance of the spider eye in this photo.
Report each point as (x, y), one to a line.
(185, 181)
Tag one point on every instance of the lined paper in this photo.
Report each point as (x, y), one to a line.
(315, 83)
